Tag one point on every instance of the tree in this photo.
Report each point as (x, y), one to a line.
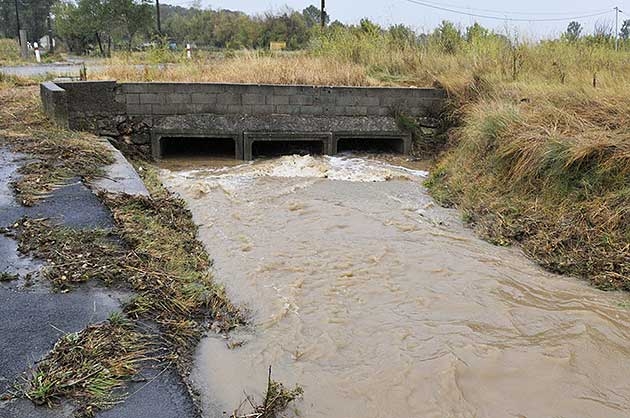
(448, 37)
(369, 27)
(624, 33)
(475, 32)
(82, 24)
(402, 35)
(574, 31)
(313, 16)
(33, 15)
(130, 18)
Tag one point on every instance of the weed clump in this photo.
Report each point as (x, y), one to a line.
(276, 400)
(87, 366)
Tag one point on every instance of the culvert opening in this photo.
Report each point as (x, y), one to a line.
(177, 147)
(288, 147)
(371, 145)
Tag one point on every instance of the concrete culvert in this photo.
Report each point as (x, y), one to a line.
(288, 147)
(372, 145)
(174, 147)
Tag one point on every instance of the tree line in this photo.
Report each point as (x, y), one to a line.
(98, 26)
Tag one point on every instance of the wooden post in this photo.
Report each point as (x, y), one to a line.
(23, 44)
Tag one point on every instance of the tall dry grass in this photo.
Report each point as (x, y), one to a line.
(250, 67)
(9, 52)
(540, 152)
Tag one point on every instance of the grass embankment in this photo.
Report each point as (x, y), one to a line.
(547, 167)
(540, 153)
(152, 250)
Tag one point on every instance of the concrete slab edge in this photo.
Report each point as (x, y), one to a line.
(120, 176)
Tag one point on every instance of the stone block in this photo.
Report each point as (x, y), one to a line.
(174, 109)
(177, 98)
(253, 99)
(139, 109)
(132, 98)
(356, 111)
(262, 109)
(277, 100)
(311, 110)
(229, 99)
(204, 98)
(151, 98)
(346, 101)
(301, 99)
(287, 109)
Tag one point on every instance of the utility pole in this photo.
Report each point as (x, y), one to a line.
(51, 42)
(323, 14)
(17, 19)
(617, 27)
(157, 17)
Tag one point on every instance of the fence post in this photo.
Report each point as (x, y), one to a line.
(23, 44)
(38, 57)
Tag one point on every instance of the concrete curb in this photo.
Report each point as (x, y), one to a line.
(120, 176)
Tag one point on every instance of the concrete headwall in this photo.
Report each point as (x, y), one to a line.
(134, 109)
(252, 99)
(55, 103)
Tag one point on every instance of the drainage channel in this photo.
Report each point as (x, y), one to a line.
(380, 303)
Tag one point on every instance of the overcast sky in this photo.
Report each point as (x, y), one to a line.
(387, 12)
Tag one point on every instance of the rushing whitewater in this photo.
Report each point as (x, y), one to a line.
(380, 303)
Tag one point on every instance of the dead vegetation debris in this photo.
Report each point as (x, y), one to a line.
(8, 277)
(276, 400)
(72, 255)
(88, 366)
(153, 250)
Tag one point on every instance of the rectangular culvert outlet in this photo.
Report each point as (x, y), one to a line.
(196, 146)
(394, 144)
(272, 144)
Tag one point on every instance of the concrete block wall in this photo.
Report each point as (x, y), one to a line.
(253, 99)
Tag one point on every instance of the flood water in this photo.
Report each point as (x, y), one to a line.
(379, 303)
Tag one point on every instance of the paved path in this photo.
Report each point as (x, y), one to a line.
(32, 318)
(70, 69)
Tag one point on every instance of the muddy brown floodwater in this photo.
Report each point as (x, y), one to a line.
(379, 303)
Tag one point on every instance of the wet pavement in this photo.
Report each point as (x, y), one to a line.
(63, 70)
(33, 317)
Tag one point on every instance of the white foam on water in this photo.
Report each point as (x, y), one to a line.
(290, 166)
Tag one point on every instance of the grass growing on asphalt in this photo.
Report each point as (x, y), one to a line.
(88, 366)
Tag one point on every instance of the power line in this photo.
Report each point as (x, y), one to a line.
(511, 19)
(505, 12)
